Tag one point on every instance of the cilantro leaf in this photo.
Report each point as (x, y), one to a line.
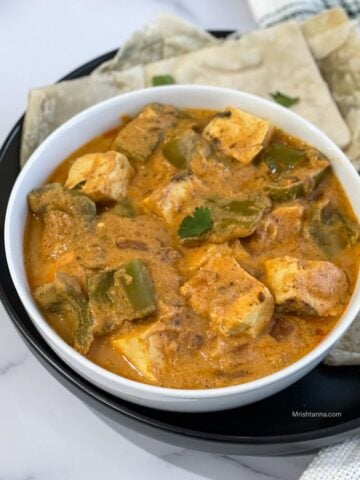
(284, 100)
(197, 224)
(159, 80)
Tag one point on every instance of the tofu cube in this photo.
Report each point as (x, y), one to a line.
(285, 221)
(140, 137)
(307, 287)
(234, 301)
(142, 349)
(101, 176)
(170, 199)
(194, 258)
(238, 134)
(280, 226)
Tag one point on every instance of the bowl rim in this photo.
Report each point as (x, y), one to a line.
(51, 336)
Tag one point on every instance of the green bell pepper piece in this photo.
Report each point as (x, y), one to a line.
(281, 158)
(293, 187)
(136, 282)
(99, 286)
(124, 208)
(66, 306)
(236, 218)
(180, 150)
(119, 295)
(232, 218)
(331, 229)
(286, 192)
(54, 196)
(175, 152)
(108, 303)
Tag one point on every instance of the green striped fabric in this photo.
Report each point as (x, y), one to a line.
(271, 12)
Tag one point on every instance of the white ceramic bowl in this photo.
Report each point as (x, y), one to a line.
(105, 116)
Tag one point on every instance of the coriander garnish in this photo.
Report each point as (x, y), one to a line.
(158, 80)
(197, 224)
(284, 100)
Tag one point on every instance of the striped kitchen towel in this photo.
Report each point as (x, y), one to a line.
(270, 12)
(339, 462)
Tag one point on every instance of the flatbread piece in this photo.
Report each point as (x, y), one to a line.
(261, 62)
(334, 41)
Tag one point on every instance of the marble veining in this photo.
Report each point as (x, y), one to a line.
(46, 433)
(4, 369)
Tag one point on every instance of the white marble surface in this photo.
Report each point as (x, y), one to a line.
(45, 432)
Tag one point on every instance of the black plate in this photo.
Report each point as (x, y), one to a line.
(264, 428)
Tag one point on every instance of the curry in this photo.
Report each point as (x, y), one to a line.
(192, 248)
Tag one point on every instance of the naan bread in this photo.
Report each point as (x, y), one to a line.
(49, 107)
(275, 59)
(264, 61)
(335, 43)
(260, 62)
(166, 36)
